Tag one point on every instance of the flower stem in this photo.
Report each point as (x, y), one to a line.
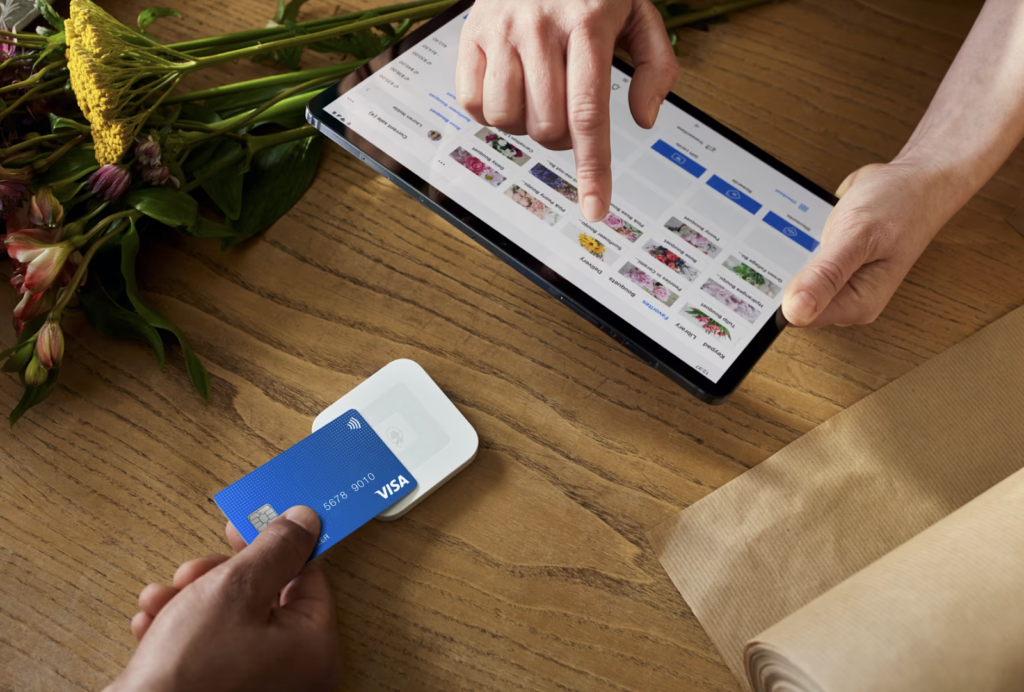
(711, 12)
(257, 34)
(76, 280)
(321, 73)
(33, 141)
(428, 10)
(100, 225)
(52, 158)
(285, 102)
(258, 142)
(28, 81)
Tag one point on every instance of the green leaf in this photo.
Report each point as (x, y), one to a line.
(198, 157)
(110, 319)
(151, 14)
(207, 229)
(289, 57)
(34, 396)
(290, 11)
(67, 190)
(22, 354)
(233, 104)
(363, 44)
(199, 113)
(71, 165)
(129, 250)
(222, 177)
(278, 177)
(55, 43)
(30, 329)
(50, 14)
(58, 123)
(171, 207)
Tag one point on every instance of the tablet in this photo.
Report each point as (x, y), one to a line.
(689, 267)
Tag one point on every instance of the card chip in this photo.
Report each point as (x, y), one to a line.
(261, 518)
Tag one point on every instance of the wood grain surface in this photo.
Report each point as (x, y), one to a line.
(530, 570)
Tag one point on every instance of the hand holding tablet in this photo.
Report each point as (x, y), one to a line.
(705, 230)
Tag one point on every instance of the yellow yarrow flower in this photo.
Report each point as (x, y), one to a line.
(119, 76)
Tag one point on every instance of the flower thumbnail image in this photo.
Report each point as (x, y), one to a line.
(533, 205)
(751, 276)
(647, 283)
(706, 323)
(693, 237)
(555, 182)
(595, 246)
(626, 230)
(502, 146)
(477, 167)
(729, 299)
(671, 260)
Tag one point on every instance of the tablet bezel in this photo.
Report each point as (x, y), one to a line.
(589, 307)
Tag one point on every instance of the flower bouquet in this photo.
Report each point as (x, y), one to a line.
(592, 245)
(710, 326)
(672, 261)
(98, 145)
(626, 230)
(503, 147)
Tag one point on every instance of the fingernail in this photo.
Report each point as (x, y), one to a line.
(304, 517)
(653, 107)
(593, 210)
(805, 307)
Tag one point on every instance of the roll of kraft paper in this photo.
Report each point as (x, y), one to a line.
(942, 613)
(858, 486)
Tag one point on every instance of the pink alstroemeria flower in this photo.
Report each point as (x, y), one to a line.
(41, 258)
(45, 210)
(50, 345)
(31, 306)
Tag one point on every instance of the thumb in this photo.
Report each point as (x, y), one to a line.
(309, 593)
(654, 60)
(810, 292)
(845, 186)
(276, 556)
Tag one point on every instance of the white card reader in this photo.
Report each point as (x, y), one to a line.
(417, 421)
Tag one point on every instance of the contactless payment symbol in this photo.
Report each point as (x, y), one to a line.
(732, 194)
(790, 231)
(395, 437)
(353, 424)
(261, 518)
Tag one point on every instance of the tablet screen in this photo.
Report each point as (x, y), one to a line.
(702, 236)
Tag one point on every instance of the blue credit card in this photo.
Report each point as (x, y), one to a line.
(344, 471)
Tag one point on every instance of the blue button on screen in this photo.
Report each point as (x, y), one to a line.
(738, 196)
(679, 158)
(790, 231)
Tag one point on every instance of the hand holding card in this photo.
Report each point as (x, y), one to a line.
(344, 471)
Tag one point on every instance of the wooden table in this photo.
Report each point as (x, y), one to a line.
(530, 570)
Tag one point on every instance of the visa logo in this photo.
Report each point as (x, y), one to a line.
(392, 487)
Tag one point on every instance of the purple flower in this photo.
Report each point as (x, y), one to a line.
(110, 182)
(147, 151)
(160, 175)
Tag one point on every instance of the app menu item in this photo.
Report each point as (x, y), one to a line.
(701, 238)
